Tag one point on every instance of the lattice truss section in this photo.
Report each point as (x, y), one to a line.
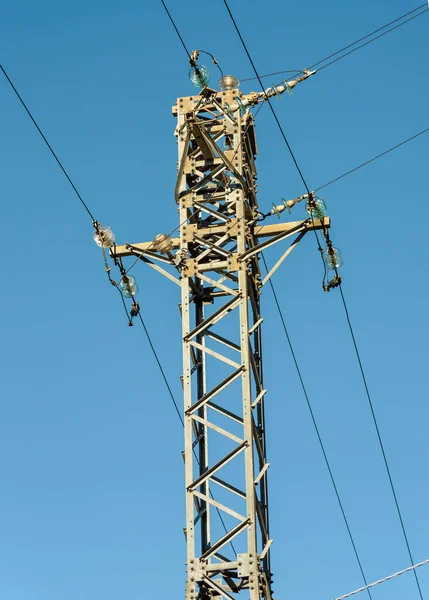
(227, 529)
(222, 360)
(225, 449)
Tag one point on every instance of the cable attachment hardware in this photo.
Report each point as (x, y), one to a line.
(332, 257)
(113, 255)
(286, 205)
(163, 244)
(103, 235)
(316, 207)
(254, 98)
(229, 82)
(199, 74)
(128, 286)
(335, 282)
(194, 58)
(179, 260)
(135, 309)
(307, 73)
(104, 238)
(134, 312)
(122, 269)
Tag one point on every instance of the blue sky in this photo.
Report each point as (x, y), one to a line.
(89, 442)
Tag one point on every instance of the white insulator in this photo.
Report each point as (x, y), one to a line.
(104, 236)
(163, 243)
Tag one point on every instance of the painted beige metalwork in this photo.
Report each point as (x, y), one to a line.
(226, 468)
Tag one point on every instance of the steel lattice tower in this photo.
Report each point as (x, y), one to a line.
(221, 237)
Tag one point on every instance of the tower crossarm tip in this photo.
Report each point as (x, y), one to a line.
(255, 98)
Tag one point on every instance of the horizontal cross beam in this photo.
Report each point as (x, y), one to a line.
(261, 231)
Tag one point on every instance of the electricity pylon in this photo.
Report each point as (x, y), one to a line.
(221, 237)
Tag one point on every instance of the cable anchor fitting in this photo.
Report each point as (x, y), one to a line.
(194, 58)
(135, 309)
(334, 283)
(316, 207)
(103, 235)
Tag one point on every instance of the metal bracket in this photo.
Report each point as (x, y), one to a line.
(186, 201)
(195, 571)
(187, 105)
(189, 232)
(243, 567)
(189, 268)
(232, 227)
(233, 262)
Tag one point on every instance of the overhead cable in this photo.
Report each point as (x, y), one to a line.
(362, 589)
(176, 29)
(373, 159)
(268, 100)
(380, 441)
(316, 428)
(161, 369)
(315, 65)
(47, 143)
(372, 40)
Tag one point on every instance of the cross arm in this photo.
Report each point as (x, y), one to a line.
(261, 231)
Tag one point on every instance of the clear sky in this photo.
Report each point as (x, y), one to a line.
(92, 485)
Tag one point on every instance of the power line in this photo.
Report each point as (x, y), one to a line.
(380, 441)
(268, 100)
(176, 29)
(344, 304)
(47, 143)
(353, 43)
(372, 159)
(90, 214)
(154, 352)
(373, 40)
(425, 562)
(371, 34)
(316, 427)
